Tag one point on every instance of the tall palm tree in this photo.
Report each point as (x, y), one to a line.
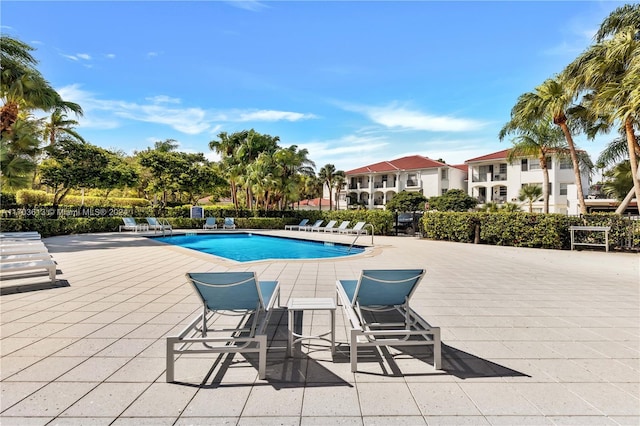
(530, 193)
(328, 174)
(339, 183)
(22, 87)
(59, 125)
(609, 73)
(550, 101)
(539, 140)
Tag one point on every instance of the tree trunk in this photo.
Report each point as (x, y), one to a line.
(631, 143)
(625, 203)
(545, 183)
(576, 166)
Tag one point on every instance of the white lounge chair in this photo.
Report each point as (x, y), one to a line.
(342, 227)
(316, 224)
(159, 225)
(328, 227)
(358, 228)
(130, 224)
(229, 223)
(237, 294)
(388, 291)
(30, 265)
(33, 247)
(20, 236)
(210, 223)
(303, 222)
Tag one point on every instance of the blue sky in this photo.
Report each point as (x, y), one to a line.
(353, 82)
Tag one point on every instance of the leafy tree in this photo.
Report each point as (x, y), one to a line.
(406, 201)
(530, 193)
(75, 165)
(18, 151)
(60, 126)
(453, 200)
(617, 180)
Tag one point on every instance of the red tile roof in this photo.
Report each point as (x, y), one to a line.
(462, 167)
(500, 155)
(412, 162)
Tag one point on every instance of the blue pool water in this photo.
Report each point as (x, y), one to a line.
(245, 247)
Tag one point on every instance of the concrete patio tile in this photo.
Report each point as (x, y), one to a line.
(393, 420)
(330, 401)
(322, 421)
(47, 370)
(144, 421)
(44, 347)
(12, 393)
(266, 401)
(85, 347)
(10, 365)
(30, 421)
(519, 420)
(49, 400)
(218, 402)
(608, 398)
(388, 399)
(143, 370)
(442, 399)
(111, 331)
(626, 420)
(578, 420)
(456, 420)
(81, 421)
(13, 344)
(269, 421)
(554, 399)
(105, 400)
(498, 399)
(126, 347)
(206, 421)
(161, 400)
(95, 369)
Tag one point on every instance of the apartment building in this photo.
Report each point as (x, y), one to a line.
(374, 185)
(493, 179)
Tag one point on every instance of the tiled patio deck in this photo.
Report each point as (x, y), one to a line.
(530, 337)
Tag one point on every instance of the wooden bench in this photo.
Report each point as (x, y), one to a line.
(604, 229)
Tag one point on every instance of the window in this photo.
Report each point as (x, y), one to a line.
(524, 165)
(444, 174)
(550, 186)
(563, 188)
(534, 164)
(503, 168)
(565, 164)
(503, 191)
(549, 162)
(384, 178)
(443, 191)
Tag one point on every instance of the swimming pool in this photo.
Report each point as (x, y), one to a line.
(246, 247)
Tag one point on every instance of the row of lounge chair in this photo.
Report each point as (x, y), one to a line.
(153, 224)
(24, 252)
(343, 228)
(374, 293)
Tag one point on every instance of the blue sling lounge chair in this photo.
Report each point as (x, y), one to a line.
(222, 294)
(380, 291)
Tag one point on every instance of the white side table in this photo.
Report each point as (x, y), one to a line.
(310, 304)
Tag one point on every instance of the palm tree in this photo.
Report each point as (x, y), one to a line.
(58, 125)
(22, 86)
(538, 140)
(530, 193)
(328, 174)
(18, 151)
(609, 73)
(339, 182)
(617, 180)
(549, 102)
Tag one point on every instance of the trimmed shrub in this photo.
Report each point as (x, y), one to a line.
(30, 197)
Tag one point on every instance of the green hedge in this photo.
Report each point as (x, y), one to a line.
(521, 229)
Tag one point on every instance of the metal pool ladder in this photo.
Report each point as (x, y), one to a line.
(358, 236)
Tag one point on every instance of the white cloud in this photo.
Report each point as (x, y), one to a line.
(165, 110)
(84, 56)
(272, 115)
(251, 5)
(394, 116)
